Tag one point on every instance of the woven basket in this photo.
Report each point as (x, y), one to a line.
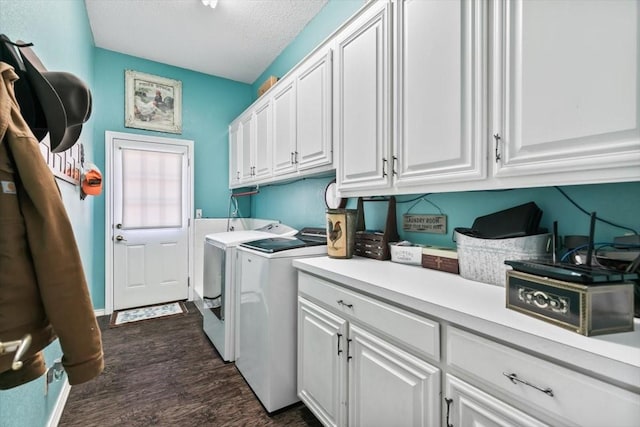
(482, 260)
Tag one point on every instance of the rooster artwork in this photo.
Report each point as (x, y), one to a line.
(334, 232)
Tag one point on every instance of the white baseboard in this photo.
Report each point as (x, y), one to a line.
(99, 312)
(54, 419)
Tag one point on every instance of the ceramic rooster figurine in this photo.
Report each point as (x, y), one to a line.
(335, 232)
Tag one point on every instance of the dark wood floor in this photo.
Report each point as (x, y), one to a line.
(165, 372)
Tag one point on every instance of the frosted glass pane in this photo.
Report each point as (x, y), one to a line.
(151, 189)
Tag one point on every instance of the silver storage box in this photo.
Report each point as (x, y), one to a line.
(482, 260)
(595, 309)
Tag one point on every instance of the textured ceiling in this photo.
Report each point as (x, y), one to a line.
(237, 40)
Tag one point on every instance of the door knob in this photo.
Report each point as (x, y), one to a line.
(120, 238)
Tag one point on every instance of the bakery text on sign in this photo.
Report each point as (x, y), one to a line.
(435, 224)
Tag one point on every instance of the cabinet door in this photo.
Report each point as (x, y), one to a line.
(388, 386)
(234, 154)
(313, 112)
(568, 97)
(322, 363)
(246, 137)
(284, 128)
(439, 59)
(261, 150)
(362, 101)
(470, 407)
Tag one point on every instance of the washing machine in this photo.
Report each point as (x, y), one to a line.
(219, 313)
(267, 321)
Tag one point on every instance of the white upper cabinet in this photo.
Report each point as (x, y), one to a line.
(250, 146)
(284, 127)
(440, 58)
(566, 99)
(246, 139)
(262, 145)
(234, 154)
(313, 112)
(362, 75)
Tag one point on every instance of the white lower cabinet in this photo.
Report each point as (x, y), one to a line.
(321, 365)
(389, 386)
(557, 395)
(468, 406)
(365, 362)
(350, 373)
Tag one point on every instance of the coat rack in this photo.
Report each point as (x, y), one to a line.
(19, 346)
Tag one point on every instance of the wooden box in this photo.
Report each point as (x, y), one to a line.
(267, 85)
(443, 259)
(373, 243)
(593, 309)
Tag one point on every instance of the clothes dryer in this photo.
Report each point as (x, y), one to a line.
(219, 314)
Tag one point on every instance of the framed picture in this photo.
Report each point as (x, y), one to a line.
(152, 102)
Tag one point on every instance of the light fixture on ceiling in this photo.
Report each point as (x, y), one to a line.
(211, 3)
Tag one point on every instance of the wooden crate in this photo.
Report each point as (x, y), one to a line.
(375, 244)
(271, 80)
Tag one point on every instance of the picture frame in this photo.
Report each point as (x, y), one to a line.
(153, 102)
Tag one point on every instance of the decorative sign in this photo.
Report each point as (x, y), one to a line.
(434, 224)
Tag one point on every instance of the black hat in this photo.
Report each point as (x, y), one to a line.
(63, 97)
(30, 109)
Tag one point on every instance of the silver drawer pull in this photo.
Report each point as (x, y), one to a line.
(341, 302)
(514, 379)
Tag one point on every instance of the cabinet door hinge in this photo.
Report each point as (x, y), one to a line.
(497, 139)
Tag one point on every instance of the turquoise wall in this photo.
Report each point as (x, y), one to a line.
(330, 17)
(209, 104)
(62, 40)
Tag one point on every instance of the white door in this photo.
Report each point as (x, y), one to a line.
(262, 144)
(566, 90)
(284, 128)
(322, 340)
(151, 199)
(313, 112)
(467, 406)
(388, 386)
(439, 90)
(246, 165)
(234, 154)
(362, 101)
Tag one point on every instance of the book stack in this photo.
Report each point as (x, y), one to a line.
(439, 258)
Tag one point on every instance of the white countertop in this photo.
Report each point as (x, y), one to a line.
(481, 308)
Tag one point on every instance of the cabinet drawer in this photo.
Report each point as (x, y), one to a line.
(557, 392)
(413, 332)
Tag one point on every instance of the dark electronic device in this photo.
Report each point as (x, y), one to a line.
(518, 221)
(590, 300)
(575, 273)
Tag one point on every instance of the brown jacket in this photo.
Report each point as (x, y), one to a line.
(43, 290)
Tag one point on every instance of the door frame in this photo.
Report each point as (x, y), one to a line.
(108, 185)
